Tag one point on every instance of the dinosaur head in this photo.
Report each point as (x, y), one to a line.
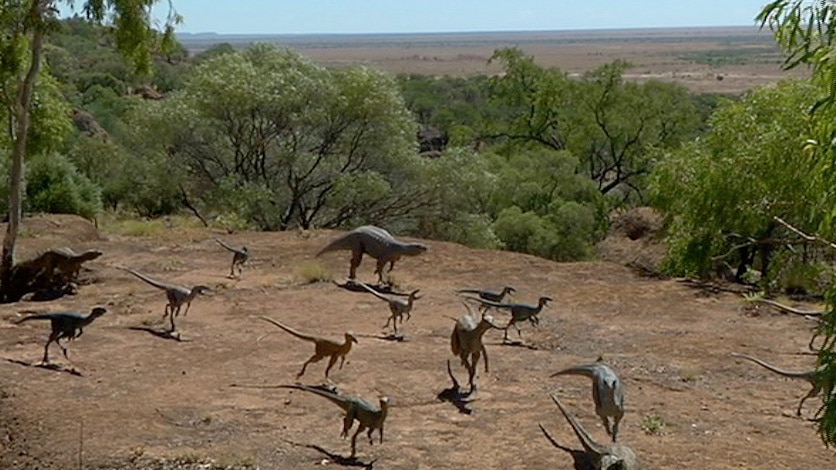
(412, 249)
(349, 337)
(201, 290)
(245, 250)
(509, 290)
(544, 300)
(414, 294)
(91, 254)
(97, 312)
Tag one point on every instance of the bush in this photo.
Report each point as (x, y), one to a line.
(55, 185)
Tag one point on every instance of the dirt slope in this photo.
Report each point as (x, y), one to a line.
(144, 397)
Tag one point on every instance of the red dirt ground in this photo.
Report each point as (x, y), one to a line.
(147, 402)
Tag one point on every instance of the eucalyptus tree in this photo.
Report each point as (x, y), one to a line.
(282, 142)
(609, 124)
(24, 25)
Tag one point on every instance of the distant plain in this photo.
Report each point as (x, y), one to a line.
(717, 59)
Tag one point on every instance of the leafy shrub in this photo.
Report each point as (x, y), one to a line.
(55, 185)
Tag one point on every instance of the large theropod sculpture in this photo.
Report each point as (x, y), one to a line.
(375, 242)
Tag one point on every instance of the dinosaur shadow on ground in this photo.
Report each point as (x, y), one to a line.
(47, 366)
(386, 289)
(164, 334)
(325, 387)
(455, 396)
(338, 459)
(395, 338)
(518, 344)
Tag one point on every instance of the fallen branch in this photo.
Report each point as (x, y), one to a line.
(788, 309)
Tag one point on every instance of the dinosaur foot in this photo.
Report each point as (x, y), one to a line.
(471, 395)
(399, 337)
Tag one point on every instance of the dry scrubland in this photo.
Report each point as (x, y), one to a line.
(724, 60)
(149, 402)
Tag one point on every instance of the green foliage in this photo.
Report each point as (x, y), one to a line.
(279, 139)
(456, 191)
(315, 271)
(55, 185)
(612, 126)
(132, 29)
(724, 190)
(543, 207)
(653, 424)
(457, 106)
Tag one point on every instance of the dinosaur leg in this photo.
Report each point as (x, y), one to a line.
(813, 392)
(314, 358)
(474, 362)
(331, 363)
(348, 421)
(519, 332)
(379, 271)
(485, 353)
(616, 422)
(232, 269)
(360, 429)
(606, 423)
(188, 305)
(356, 259)
(342, 361)
(63, 349)
(52, 338)
(813, 340)
(380, 430)
(369, 435)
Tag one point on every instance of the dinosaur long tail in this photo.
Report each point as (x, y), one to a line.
(469, 291)
(143, 277)
(374, 292)
(288, 329)
(39, 316)
(344, 242)
(585, 370)
(225, 245)
(333, 397)
(768, 366)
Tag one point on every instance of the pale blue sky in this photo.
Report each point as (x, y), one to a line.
(402, 16)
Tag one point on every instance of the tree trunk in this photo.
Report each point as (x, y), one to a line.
(21, 116)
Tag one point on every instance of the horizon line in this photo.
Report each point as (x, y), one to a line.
(503, 31)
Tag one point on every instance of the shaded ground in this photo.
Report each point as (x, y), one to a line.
(160, 403)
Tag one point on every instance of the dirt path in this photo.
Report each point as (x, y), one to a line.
(145, 397)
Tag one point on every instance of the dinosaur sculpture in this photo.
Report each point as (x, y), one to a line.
(375, 242)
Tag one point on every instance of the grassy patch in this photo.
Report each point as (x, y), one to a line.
(314, 271)
(653, 425)
(173, 227)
